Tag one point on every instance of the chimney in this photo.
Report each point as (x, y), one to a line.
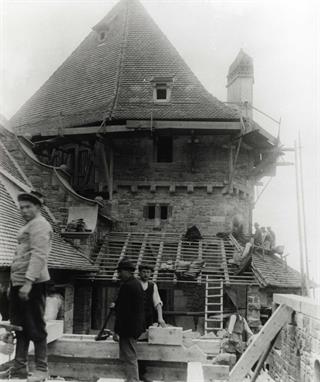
(240, 82)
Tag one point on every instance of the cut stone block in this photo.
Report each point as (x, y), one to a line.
(165, 336)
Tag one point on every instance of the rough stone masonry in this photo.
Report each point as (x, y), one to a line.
(296, 355)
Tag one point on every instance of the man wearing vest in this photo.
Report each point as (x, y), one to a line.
(236, 327)
(152, 304)
(130, 318)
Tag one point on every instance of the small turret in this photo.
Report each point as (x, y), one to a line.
(240, 82)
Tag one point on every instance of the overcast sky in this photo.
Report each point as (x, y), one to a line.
(281, 36)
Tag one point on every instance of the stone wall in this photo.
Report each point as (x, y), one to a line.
(194, 184)
(204, 161)
(211, 213)
(296, 355)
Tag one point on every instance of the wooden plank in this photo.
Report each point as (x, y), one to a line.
(195, 372)
(224, 263)
(214, 125)
(91, 370)
(177, 257)
(165, 336)
(141, 254)
(301, 304)
(88, 348)
(260, 343)
(158, 261)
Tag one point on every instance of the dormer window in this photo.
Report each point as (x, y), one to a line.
(162, 87)
(161, 92)
(102, 36)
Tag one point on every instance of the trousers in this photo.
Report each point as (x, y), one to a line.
(128, 355)
(30, 315)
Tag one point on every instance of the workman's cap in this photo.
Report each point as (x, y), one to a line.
(125, 264)
(33, 196)
(145, 266)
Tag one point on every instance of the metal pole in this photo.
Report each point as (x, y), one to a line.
(299, 218)
(306, 254)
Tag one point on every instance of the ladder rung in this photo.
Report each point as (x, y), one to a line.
(213, 320)
(214, 295)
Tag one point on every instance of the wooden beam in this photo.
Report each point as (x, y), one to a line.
(197, 125)
(111, 165)
(68, 308)
(262, 360)
(260, 343)
(233, 167)
(141, 254)
(224, 263)
(88, 348)
(158, 261)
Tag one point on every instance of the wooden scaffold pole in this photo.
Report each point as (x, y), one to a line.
(300, 234)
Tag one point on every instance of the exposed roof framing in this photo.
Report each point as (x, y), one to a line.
(158, 249)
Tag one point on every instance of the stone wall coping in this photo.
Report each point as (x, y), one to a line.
(301, 304)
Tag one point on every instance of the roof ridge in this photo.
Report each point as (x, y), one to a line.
(121, 61)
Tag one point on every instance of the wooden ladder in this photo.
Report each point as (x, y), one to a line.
(213, 320)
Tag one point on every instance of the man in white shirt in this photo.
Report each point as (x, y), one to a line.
(152, 303)
(236, 327)
(152, 300)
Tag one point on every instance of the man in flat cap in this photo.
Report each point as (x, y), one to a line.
(129, 324)
(29, 274)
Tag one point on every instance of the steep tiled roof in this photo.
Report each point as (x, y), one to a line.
(109, 77)
(270, 270)
(8, 164)
(63, 254)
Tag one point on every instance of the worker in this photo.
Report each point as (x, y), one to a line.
(237, 326)
(130, 319)
(272, 237)
(152, 302)
(257, 235)
(29, 274)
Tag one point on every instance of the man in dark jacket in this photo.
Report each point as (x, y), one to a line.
(129, 324)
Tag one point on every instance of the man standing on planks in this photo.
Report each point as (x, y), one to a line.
(29, 274)
(130, 318)
(152, 304)
(152, 300)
